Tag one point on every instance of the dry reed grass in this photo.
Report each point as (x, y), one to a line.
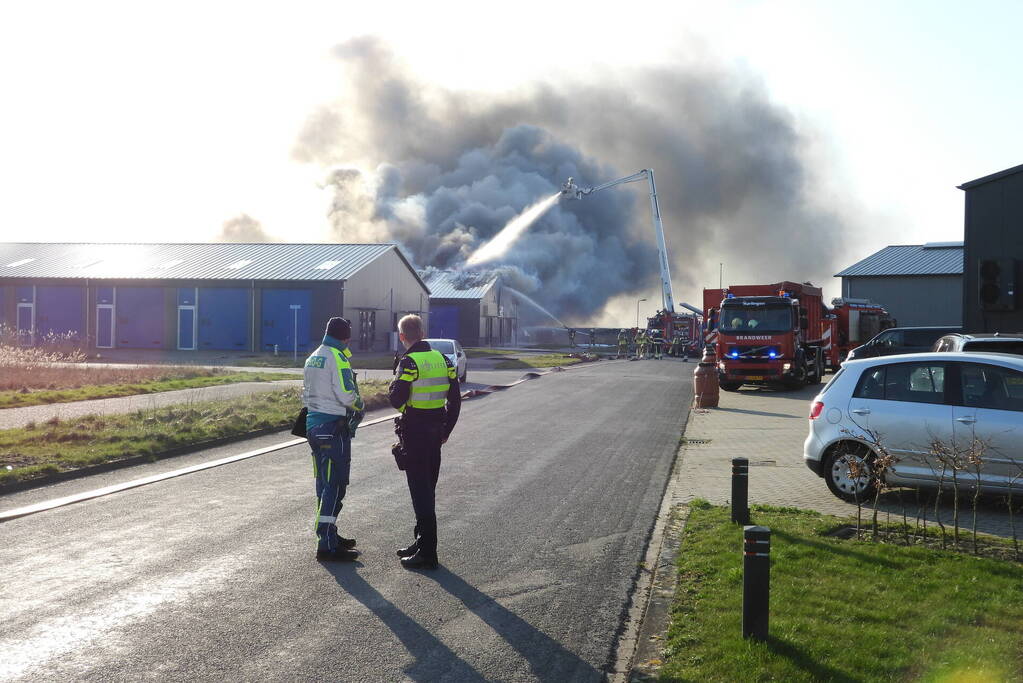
(51, 364)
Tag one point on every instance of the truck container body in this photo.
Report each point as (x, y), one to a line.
(851, 323)
(766, 334)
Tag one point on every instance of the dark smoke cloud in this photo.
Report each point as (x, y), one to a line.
(441, 172)
(243, 228)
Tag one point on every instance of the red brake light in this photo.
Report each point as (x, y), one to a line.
(816, 409)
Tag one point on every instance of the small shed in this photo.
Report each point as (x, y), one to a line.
(472, 307)
(919, 284)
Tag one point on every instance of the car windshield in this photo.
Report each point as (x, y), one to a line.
(995, 346)
(442, 345)
(753, 318)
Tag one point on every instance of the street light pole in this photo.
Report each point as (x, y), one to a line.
(637, 311)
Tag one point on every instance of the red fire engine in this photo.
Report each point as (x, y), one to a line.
(766, 334)
(669, 325)
(850, 323)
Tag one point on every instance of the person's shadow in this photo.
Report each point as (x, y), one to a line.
(434, 660)
(548, 660)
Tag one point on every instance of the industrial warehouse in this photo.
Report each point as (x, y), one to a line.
(225, 297)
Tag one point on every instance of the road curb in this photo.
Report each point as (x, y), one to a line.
(648, 609)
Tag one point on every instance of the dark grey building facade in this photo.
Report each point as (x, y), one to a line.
(919, 284)
(993, 252)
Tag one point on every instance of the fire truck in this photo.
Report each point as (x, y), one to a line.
(767, 334)
(669, 325)
(850, 323)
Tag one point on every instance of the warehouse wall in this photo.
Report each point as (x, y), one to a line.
(914, 301)
(389, 286)
(994, 214)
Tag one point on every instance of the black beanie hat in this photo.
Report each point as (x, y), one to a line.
(339, 328)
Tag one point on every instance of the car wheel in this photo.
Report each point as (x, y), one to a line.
(730, 386)
(842, 460)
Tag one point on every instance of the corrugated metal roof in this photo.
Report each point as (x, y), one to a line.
(218, 261)
(994, 176)
(935, 258)
(450, 284)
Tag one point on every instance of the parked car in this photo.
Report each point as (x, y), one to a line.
(897, 340)
(455, 353)
(997, 342)
(905, 405)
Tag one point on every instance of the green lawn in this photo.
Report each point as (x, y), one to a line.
(841, 610)
(18, 399)
(58, 445)
(547, 360)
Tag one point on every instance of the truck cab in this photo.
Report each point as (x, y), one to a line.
(765, 338)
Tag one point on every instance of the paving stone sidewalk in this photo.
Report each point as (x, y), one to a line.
(769, 427)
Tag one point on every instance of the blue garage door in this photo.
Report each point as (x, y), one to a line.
(278, 319)
(60, 311)
(139, 316)
(224, 318)
(444, 322)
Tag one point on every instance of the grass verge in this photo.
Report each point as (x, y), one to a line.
(19, 399)
(841, 610)
(488, 353)
(58, 445)
(546, 360)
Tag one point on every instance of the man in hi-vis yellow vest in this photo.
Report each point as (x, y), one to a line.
(426, 392)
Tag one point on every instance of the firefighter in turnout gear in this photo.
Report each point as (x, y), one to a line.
(623, 343)
(331, 397)
(673, 350)
(641, 343)
(427, 394)
(656, 344)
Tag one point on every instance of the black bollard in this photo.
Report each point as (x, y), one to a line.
(756, 581)
(740, 490)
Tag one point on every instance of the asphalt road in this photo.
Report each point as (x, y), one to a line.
(547, 495)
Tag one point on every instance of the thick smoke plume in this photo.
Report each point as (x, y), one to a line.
(441, 172)
(244, 228)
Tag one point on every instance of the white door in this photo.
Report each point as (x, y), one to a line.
(26, 324)
(902, 407)
(990, 422)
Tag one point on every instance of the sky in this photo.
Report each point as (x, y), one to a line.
(160, 122)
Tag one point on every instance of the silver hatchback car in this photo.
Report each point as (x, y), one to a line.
(924, 410)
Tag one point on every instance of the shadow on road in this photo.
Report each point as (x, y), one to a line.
(548, 659)
(433, 659)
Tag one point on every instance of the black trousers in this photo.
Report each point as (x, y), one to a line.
(422, 468)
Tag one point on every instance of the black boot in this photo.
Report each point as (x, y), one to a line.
(346, 543)
(420, 560)
(410, 550)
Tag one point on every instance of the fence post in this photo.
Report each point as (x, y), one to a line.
(740, 491)
(756, 581)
